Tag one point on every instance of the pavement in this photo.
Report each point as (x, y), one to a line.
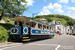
(5, 44)
(59, 42)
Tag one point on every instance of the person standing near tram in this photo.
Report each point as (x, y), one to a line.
(20, 24)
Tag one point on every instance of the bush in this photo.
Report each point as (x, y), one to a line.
(6, 25)
(3, 34)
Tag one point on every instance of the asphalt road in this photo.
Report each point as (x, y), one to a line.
(59, 42)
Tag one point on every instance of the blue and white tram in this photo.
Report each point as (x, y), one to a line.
(39, 31)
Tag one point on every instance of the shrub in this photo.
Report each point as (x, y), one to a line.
(3, 34)
(6, 25)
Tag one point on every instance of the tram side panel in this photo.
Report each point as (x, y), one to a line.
(40, 34)
(29, 33)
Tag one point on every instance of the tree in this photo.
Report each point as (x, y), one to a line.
(70, 22)
(12, 7)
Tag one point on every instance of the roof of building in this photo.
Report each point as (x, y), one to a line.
(42, 19)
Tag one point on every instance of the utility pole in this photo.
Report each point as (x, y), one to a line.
(33, 15)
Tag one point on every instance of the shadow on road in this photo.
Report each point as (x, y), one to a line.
(25, 42)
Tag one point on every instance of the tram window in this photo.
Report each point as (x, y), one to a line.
(27, 24)
(47, 28)
(44, 28)
(15, 22)
(40, 26)
(33, 26)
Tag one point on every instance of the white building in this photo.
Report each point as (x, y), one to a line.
(74, 29)
(57, 26)
(68, 29)
(2, 21)
(42, 20)
(52, 23)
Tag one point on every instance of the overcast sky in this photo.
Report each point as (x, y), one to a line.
(44, 7)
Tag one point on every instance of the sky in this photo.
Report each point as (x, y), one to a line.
(45, 7)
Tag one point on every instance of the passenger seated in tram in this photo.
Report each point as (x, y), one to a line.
(35, 26)
(44, 28)
(40, 27)
(49, 28)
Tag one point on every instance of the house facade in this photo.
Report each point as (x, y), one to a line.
(68, 29)
(73, 29)
(57, 27)
(42, 20)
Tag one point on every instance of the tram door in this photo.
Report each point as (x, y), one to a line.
(28, 24)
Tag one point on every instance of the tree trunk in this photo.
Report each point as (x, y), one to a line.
(1, 16)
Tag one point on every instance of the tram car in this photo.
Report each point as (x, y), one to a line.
(31, 30)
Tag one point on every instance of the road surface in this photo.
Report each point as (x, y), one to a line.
(59, 42)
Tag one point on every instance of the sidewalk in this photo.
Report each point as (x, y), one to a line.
(4, 44)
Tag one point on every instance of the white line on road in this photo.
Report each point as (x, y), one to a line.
(30, 44)
(44, 44)
(57, 47)
(10, 47)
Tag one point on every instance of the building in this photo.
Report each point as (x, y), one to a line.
(57, 27)
(2, 21)
(68, 29)
(42, 20)
(73, 29)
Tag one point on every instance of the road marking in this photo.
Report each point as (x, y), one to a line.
(43, 44)
(57, 47)
(10, 47)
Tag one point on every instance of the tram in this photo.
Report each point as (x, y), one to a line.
(32, 30)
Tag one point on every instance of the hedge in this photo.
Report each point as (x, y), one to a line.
(3, 34)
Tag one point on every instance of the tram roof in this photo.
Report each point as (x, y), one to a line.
(24, 18)
(40, 23)
(21, 18)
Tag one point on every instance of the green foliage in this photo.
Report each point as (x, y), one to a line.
(3, 34)
(36, 18)
(68, 29)
(65, 20)
(47, 23)
(12, 7)
(71, 22)
(6, 25)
